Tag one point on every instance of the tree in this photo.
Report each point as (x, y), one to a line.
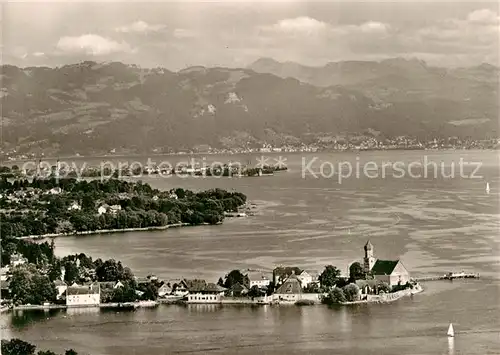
(356, 272)
(233, 278)
(312, 288)
(150, 292)
(220, 282)
(383, 287)
(254, 292)
(329, 276)
(45, 352)
(70, 352)
(20, 286)
(71, 273)
(42, 289)
(110, 270)
(55, 272)
(270, 288)
(335, 296)
(351, 292)
(124, 294)
(17, 347)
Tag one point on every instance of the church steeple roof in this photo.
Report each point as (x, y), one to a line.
(368, 245)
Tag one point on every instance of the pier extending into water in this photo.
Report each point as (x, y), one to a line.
(450, 276)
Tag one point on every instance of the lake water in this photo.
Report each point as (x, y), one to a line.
(433, 224)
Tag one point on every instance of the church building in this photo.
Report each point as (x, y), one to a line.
(392, 272)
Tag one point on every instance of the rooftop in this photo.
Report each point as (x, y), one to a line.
(291, 285)
(384, 267)
(83, 290)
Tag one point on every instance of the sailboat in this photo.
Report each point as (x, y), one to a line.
(487, 187)
(451, 333)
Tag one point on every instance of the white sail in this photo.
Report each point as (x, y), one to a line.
(487, 187)
(451, 333)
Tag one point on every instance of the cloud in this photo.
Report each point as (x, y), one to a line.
(480, 27)
(483, 17)
(311, 27)
(140, 27)
(38, 54)
(374, 27)
(91, 44)
(182, 33)
(298, 26)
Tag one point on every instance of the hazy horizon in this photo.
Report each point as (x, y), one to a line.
(234, 34)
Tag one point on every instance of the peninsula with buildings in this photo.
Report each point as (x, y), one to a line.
(55, 207)
(32, 277)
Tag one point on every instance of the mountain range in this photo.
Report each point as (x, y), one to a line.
(93, 108)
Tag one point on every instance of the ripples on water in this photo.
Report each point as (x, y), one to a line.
(433, 225)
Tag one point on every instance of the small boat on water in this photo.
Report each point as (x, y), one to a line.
(451, 332)
(487, 187)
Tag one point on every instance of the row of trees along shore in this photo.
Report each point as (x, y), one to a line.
(19, 347)
(28, 208)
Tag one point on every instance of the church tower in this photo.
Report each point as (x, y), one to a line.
(369, 259)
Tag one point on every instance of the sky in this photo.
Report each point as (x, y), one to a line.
(180, 34)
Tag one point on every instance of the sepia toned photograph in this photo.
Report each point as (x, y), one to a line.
(241, 177)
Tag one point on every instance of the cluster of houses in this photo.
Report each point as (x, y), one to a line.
(289, 284)
(29, 193)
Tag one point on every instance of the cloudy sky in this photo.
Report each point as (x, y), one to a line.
(179, 34)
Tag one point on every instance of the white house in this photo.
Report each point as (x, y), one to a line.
(55, 191)
(88, 295)
(102, 209)
(305, 278)
(255, 278)
(74, 206)
(61, 288)
(392, 272)
(208, 293)
(108, 209)
(164, 290)
(179, 287)
(290, 290)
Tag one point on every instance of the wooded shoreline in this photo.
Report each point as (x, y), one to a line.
(108, 231)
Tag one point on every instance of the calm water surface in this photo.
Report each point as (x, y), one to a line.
(434, 225)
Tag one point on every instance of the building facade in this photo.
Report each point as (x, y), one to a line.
(392, 272)
(61, 288)
(258, 279)
(87, 295)
(205, 293)
(290, 290)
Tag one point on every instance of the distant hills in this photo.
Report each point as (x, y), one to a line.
(93, 108)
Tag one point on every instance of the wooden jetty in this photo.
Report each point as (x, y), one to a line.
(449, 276)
